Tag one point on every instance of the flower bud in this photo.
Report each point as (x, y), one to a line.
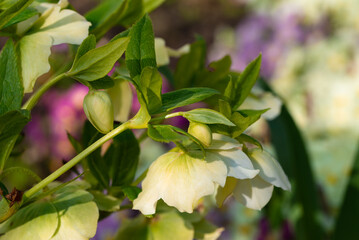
(99, 110)
(202, 132)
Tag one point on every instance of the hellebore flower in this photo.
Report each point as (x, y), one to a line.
(255, 193)
(182, 178)
(54, 26)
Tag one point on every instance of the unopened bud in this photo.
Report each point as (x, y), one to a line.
(202, 132)
(99, 110)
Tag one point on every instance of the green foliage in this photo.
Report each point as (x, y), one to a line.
(11, 90)
(140, 52)
(96, 63)
(102, 83)
(165, 133)
(246, 81)
(184, 97)
(150, 84)
(349, 211)
(10, 13)
(207, 116)
(131, 192)
(243, 119)
(244, 138)
(11, 124)
(22, 16)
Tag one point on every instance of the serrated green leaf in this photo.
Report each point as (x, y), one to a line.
(243, 119)
(246, 81)
(106, 15)
(349, 210)
(184, 97)
(15, 9)
(102, 83)
(122, 158)
(11, 89)
(140, 52)
(96, 63)
(11, 124)
(151, 85)
(207, 116)
(164, 133)
(87, 44)
(131, 192)
(22, 16)
(189, 64)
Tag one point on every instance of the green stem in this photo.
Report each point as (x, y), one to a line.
(36, 96)
(176, 114)
(52, 177)
(140, 178)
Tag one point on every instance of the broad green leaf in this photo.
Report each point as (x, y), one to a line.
(243, 119)
(151, 85)
(75, 144)
(102, 83)
(69, 214)
(122, 158)
(11, 124)
(164, 133)
(22, 16)
(349, 210)
(105, 202)
(189, 64)
(15, 9)
(150, 5)
(88, 44)
(133, 12)
(293, 157)
(225, 108)
(131, 192)
(96, 63)
(164, 226)
(207, 116)
(121, 97)
(11, 90)
(186, 96)
(105, 16)
(246, 81)
(140, 52)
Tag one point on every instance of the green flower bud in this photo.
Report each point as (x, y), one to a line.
(99, 110)
(202, 132)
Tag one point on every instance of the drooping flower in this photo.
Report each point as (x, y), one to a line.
(182, 178)
(54, 26)
(255, 193)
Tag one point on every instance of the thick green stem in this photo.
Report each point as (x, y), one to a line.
(171, 115)
(52, 177)
(36, 96)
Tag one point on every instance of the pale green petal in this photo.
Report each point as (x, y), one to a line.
(238, 164)
(223, 142)
(170, 226)
(162, 57)
(64, 26)
(121, 97)
(35, 51)
(253, 193)
(270, 169)
(224, 192)
(180, 180)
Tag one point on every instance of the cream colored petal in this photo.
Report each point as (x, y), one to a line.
(238, 164)
(253, 193)
(180, 180)
(121, 96)
(223, 142)
(270, 169)
(224, 192)
(35, 51)
(64, 26)
(162, 57)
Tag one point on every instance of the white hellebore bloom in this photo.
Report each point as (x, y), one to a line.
(181, 179)
(163, 53)
(255, 193)
(54, 26)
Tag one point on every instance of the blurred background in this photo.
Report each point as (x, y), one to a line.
(310, 58)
